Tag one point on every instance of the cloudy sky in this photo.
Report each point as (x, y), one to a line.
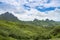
(32, 9)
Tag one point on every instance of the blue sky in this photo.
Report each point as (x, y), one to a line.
(30, 9)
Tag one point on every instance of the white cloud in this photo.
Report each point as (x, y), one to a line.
(23, 14)
(31, 15)
(55, 15)
(53, 3)
(12, 2)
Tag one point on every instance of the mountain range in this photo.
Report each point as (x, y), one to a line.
(11, 28)
(10, 17)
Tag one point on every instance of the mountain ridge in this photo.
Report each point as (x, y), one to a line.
(27, 30)
(8, 16)
(45, 23)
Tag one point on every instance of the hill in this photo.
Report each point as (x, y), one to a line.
(13, 29)
(17, 31)
(44, 23)
(8, 16)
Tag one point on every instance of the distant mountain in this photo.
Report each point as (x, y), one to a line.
(45, 23)
(13, 29)
(8, 16)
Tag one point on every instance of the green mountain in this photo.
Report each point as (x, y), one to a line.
(8, 16)
(13, 29)
(44, 23)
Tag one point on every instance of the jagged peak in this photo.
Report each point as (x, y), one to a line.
(8, 16)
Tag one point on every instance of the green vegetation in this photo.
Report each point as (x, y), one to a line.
(13, 29)
(19, 31)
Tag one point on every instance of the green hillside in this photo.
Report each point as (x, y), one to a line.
(13, 29)
(43, 23)
(8, 16)
(18, 31)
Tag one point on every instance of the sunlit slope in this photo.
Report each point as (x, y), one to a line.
(16, 30)
(20, 31)
(13, 29)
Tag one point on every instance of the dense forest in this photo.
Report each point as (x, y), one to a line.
(13, 29)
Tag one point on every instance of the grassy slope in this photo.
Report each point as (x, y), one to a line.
(20, 31)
